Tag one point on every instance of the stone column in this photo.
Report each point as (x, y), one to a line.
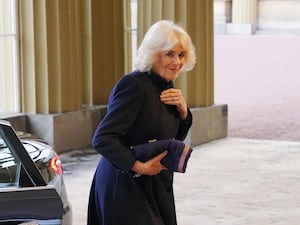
(222, 15)
(50, 59)
(127, 36)
(87, 48)
(71, 56)
(244, 17)
(27, 57)
(108, 47)
(201, 79)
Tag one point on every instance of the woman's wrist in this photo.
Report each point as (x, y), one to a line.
(138, 167)
(183, 114)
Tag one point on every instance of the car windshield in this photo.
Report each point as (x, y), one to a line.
(9, 166)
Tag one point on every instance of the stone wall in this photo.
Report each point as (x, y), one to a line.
(73, 130)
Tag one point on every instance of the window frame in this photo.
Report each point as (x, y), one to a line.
(13, 106)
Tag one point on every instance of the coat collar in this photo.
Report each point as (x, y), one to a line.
(159, 81)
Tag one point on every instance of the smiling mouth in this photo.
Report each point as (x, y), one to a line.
(174, 69)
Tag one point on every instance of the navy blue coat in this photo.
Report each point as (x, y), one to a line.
(135, 115)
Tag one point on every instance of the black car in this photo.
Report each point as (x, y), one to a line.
(32, 188)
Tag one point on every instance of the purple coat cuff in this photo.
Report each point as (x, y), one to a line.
(177, 158)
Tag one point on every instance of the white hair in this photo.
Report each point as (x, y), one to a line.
(163, 36)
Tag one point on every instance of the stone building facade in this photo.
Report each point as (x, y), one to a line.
(257, 17)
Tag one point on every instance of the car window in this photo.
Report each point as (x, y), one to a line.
(9, 166)
(26, 168)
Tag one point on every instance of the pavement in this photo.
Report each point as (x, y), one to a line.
(258, 77)
(240, 182)
(231, 181)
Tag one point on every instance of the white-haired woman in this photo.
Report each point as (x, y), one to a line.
(143, 106)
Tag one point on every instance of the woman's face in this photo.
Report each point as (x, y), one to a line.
(169, 63)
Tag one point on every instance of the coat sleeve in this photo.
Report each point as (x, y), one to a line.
(176, 159)
(184, 126)
(123, 107)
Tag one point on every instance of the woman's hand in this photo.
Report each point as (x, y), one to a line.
(150, 167)
(174, 96)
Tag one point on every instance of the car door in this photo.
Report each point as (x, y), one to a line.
(24, 194)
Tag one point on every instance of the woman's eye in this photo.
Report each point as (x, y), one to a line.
(173, 54)
(170, 54)
(181, 55)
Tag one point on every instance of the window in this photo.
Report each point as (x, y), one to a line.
(9, 85)
(8, 166)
